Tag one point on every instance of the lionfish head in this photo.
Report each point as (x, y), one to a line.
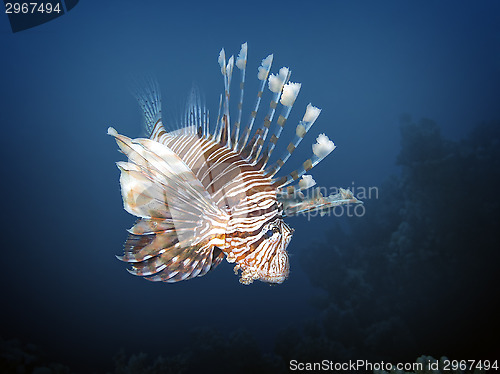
(272, 259)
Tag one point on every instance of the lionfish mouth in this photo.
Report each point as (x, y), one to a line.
(274, 279)
(247, 277)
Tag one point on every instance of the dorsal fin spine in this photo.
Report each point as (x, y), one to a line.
(301, 130)
(263, 73)
(206, 122)
(217, 123)
(226, 122)
(276, 84)
(322, 148)
(147, 94)
(277, 132)
(194, 120)
(265, 126)
(289, 94)
(220, 122)
(241, 63)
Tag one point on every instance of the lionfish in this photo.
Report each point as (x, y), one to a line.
(202, 194)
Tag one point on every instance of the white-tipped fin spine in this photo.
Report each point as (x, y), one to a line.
(276, 83)
(322, 148)
(241, 63)
(301, 130)
(220, 119)
(263, 73)
(298, 203)
(306, 182)
(224, 135)
(290, 93)
(222, 61)
(284, 75)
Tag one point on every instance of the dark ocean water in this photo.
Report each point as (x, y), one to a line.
(366, 64)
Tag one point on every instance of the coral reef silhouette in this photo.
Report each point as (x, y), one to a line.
(416, 274)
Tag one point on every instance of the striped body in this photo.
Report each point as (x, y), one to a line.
(250, 200)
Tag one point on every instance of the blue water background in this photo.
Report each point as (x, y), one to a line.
(365, 63)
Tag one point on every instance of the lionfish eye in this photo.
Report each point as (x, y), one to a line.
(269, 233)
